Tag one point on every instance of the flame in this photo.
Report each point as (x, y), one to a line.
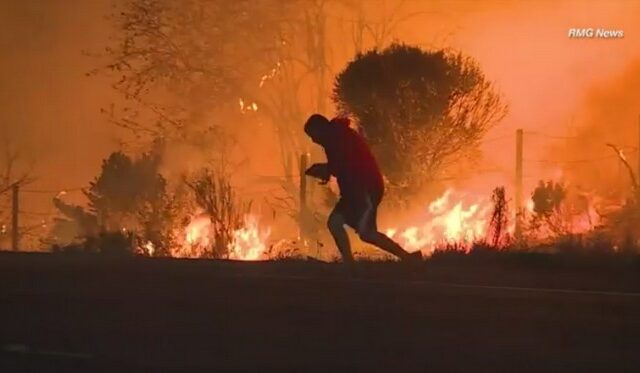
(247, 106)
(274, 71)
(198, 232)
(446, 221)
(195, 239)
(146, 249)
(454, 219)
(529, 205)
(248, 242)
(149, 248)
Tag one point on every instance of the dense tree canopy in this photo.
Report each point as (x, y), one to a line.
(125, 187)
(419, 109)
(129, 197)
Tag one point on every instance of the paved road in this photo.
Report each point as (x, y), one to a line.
(101, 315)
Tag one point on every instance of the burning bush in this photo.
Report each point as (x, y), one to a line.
(214, 196)
(223, 226)
(131, 210)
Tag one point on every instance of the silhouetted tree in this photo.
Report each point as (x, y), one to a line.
(548, 197)
(176, 62)
(419, 109)
(548, 213)
(131, 195)
(123, 187)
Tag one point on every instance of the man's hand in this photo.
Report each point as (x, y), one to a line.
(319, 171)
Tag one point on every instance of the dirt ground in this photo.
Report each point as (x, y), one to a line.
(85, 313)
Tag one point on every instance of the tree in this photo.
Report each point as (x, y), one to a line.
(175, 63)
(130, 194)
(123, 187)
(549, 215)
(420, 110)
(548, 197)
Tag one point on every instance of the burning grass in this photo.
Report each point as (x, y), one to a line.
(452, 218)
(456, 222)
(198, 240)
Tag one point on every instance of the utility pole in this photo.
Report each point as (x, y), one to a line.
(304, 164)
(15, 232)
(518, 186)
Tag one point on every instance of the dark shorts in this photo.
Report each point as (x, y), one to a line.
(353, 209)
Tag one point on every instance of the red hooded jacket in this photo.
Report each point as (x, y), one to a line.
(350, 160)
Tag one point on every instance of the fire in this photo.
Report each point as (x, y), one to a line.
(274, 71)
(198, 232)
(247, 106)
(247, 242)
(146, 249)
(456, 218)
(446, 221)
(149, 248)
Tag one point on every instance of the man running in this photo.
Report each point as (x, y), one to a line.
(351, 162)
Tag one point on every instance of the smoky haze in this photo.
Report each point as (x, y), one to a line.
(555, 86)
(49, 110)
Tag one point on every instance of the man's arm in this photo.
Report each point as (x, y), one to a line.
(319, 171)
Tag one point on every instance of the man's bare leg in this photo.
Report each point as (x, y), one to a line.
(336, 227)
(368, 232)
(385, 243)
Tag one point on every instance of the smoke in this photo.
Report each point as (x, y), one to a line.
(48, 108)
(556, 87)
(610, 115)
